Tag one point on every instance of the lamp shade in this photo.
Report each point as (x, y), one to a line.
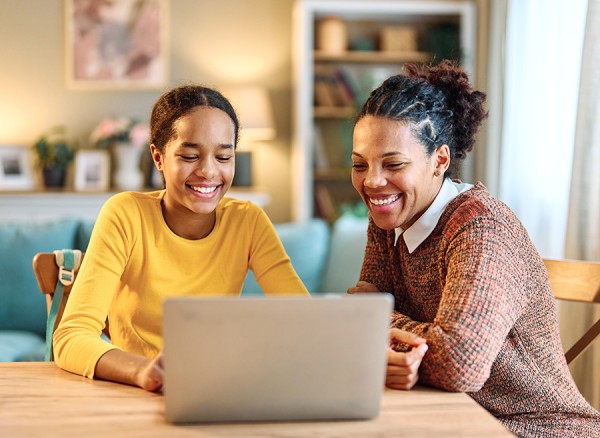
(254, 110)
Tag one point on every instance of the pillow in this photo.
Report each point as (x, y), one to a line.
(348, 242)
(23, 305)
(307, 245)
(84, 232)
(21, 346)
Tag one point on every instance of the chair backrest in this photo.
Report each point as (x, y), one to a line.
(579, 281)
(46, 274)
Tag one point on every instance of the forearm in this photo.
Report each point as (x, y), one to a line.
(403, 322)
(282, 279)
(119, 366)
(447, 363)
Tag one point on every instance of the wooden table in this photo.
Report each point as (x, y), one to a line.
(37, 399)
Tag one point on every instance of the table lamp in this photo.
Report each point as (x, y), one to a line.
(255, 113)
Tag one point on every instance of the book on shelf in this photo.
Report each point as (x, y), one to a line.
(326, 207)
(346, 84)
(332, 87)
(325, 94)
(321, 159)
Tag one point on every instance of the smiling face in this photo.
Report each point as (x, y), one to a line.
(392, 172)
(198, 168)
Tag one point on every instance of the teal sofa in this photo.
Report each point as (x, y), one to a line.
(327, 259)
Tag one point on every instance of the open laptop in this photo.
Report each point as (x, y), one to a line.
(276, 358)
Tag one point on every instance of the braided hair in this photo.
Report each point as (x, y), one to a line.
(438, 102)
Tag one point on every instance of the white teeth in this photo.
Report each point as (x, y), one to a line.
(204, 189)
(384, 201)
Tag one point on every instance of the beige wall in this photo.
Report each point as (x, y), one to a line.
(213, 42)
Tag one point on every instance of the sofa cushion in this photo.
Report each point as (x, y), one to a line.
(307, 245)
(348, 241)
(84, 232)
(21, 346)
(23, 306)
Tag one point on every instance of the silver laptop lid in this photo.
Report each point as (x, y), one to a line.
(269, 359)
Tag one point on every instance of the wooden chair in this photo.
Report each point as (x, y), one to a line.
(576, 281)
(46, 274)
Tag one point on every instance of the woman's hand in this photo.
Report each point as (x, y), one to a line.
(403, 368)
(363, 287)
(151, 376)
(132, 369)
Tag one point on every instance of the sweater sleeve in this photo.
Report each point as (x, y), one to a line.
(481, 300)
(269, 261)
(77, 342)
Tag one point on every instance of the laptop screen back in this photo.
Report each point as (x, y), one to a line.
(269, 359)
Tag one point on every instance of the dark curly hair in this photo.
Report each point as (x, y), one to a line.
(179, 101)
(439, 103)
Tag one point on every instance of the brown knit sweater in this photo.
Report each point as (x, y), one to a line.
(478, 291)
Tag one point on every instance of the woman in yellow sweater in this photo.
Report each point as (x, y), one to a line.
(187, 239)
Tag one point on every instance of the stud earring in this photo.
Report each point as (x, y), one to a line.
(436, 173)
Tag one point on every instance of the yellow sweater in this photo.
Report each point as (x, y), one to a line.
(134, 261)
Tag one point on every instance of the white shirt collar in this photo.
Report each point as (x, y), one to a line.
(422, 228)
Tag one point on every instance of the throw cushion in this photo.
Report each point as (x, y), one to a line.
(21, 346)
(23, 305)
(84, 232)
(348, 242)
(307, 245)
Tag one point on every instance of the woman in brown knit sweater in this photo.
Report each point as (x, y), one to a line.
(464, 272)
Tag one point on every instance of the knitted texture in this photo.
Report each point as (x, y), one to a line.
(478, 291)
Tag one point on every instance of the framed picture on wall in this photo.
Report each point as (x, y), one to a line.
(92, 170)
(120, 44)
(15, 168)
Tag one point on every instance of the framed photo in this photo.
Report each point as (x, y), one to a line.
(92, 170)
(15, 168)
(118, 44)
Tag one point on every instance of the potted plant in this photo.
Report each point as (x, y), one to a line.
(54, 154)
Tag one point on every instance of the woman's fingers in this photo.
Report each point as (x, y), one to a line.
(363, 287)
(152, 375)
(403, 368)
(401, 382)
(410, 360)
(397, 335)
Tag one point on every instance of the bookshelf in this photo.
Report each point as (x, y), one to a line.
(331, 81)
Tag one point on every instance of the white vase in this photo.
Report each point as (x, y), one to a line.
(127, 174)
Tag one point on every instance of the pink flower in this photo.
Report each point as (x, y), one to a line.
(103, 130)
(122, 129)
(139, 135)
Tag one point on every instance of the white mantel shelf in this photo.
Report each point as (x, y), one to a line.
(39, 206)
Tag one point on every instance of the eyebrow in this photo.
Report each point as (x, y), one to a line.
(188, 144)
(387, 154)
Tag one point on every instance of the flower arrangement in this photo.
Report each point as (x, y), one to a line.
(121, 129)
